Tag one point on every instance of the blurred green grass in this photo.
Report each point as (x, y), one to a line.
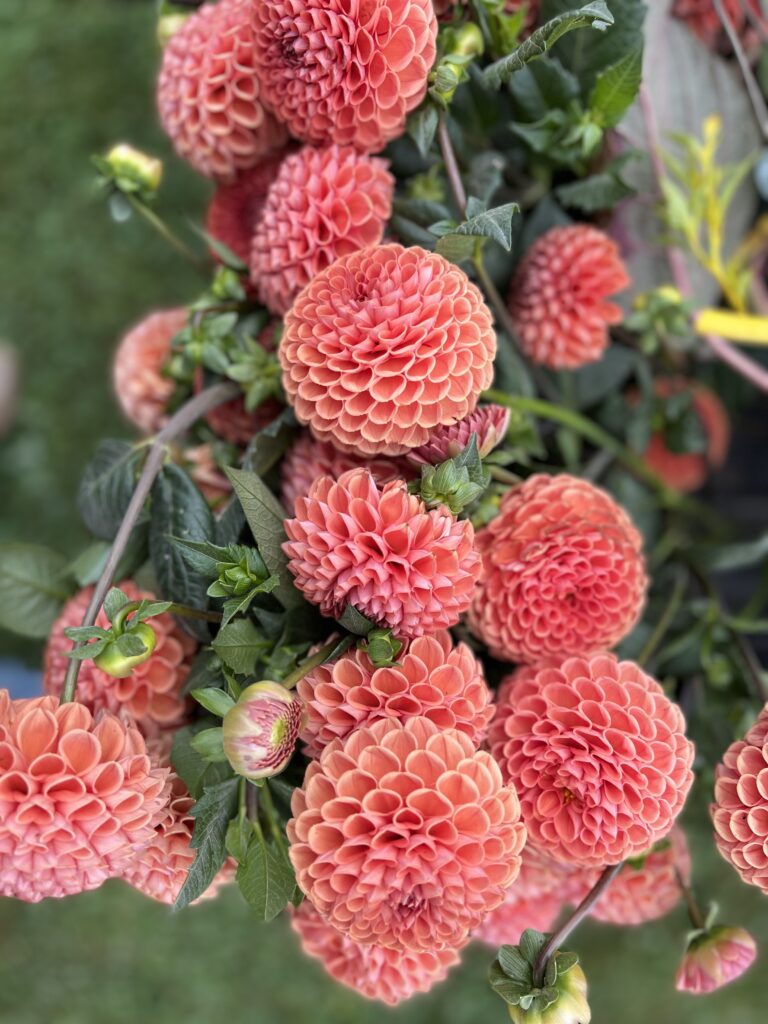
(74, 78)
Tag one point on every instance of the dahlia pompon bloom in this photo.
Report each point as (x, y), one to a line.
(261, 730)
(374, 972)
(432, 678)
(488, 422)
(208, 93)
(563, 571)
(151, 694)
(714, 959)
(77, 797)
(740, 810)
(341, 71)
(558, 297)
(598, 756)
(381, 551)
(324, 203)
(234, 210)
(308, 459)
(142, 389)
(687, 471)
(405, 836)
(384, 346)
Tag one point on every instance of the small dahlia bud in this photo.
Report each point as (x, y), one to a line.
(468, 41)
(381, 647)
(134, 171)
(569, 1007)
(714, 958)
(118, 658)
(554, 992)
(488, 422)
(260, 731)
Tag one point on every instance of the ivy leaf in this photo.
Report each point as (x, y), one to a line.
(421, 126)
(616, 88)
(240, 645)
(266, 878)
(593, 15)
(195, 772)
(212, 813)
(459, 242)
(32, 588)
(106, 487)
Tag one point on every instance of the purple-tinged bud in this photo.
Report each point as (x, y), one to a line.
(489, 422)
(261, 730)
(714, 958)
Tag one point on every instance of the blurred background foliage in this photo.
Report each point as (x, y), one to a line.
(74, 78)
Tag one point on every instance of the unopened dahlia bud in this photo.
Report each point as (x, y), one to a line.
(260, 731)
(570, 1005)
(468, 41)
(551, 993)
(381, 647)
(134, 171)
(714, 958)
(123, 654)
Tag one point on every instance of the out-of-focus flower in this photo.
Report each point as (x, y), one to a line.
(444, 9)
(141, 387)
(384, 346)
(133, 171)
(563, 571)
(714, 958)
(201, 465)
(598, 755)
(235, 208)
(702, 18)
(232, 422)
(403, 835)
(261, 730)
(381, 551)
(488, 422)
(558, 297)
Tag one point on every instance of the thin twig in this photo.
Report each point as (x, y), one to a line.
(166, 233)
(451, 165)
(753, 89)
(180, 422)
(665, 620)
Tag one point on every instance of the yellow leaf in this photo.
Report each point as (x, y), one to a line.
(739, 327)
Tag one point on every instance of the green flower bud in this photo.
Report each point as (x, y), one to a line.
(168, 25)
(468, 41)
(381, 647)
(445, 80)
(569, 1007)
(134, 171)
(116, 662)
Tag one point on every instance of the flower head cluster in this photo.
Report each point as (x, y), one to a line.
(78, 796)
(235, 208)
(403, 835)
(563, 571)
(140, 385)
(380, 550)
(598, 756)
(558, 297)
(384, 346)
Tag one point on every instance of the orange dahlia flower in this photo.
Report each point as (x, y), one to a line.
(563, 571)
(403, 835)
(141, 387)
(385, 345)
(235, 208)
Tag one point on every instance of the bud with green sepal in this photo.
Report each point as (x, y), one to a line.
(238, 573)
(455, 483)
(661, 318)
(381, 647)
(560, 997)
(259, 732)
(128, 170)
(459, 46)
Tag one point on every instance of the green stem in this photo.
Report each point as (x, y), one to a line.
(185, 612)
(503, 476)
(664, 622)
(306, 666)
(274, 826)
(166, 233)
(694, 910)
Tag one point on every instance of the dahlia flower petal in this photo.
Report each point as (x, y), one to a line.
(140, 386)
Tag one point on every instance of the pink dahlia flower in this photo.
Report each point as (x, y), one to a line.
(432, 678)
(404, 835)
(324, 203)
(380, 550)
(598, 756)
(384, 346)
(235, 208)
(714, 959)
(151, 694)
(309, 459)
(563, 571)
(740, 810)
(208, 93)
(201, 465)
(141, 387)
(374, 972)
(488, 422)
(558, 297)
(77, 797)
(344, 72)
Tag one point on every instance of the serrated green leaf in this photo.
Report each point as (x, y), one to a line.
(459, 243)
(195, 772)
(240, 645)
(616, 88)
(514, 964)
(218, 702)
(212, 813)
(33, 588)
(266, 879)
(237, 838)
(422, 125)
(106, 487)
(266, 447)
(201, 556)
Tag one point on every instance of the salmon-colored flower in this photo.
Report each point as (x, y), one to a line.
(384, 346)
(598, 756)
(201, 465)
(141, 387)
(151, 694)
(261, 729)
(344, 72)
(324, 203)
(740, 810)
(488, 422)
(380, 550)
(235, 208)
(404, 835)
(714, 959)
(558, 297)
(563, 571)
(78, 796)
(703, 19)
(431, 678)
(308, 460)
(208, 93)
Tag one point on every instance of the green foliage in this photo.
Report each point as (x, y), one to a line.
(238, 573)
(33, 587)
(212, 813)
(381, 647)
(512, 973)
(194, 771)
(266, 878)
(458, 242)
(106, 487)
(455, 483)
(240, 645)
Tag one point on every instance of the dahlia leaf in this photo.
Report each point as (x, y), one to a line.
(240, 645)
(514, 964)
(616, 89)
(229, 525)
(32, 588)
(217, 701)
(541, 87)
(236, 840)
(593, 15)
(266, 878)
(459, 244)
(129, 645)
(212, 813)
(485, 175)
(225, 254)
(597, 192)
(195, 772)
(209, 743)
(114, 601)
(421, 126)
(531, 944)
(106, 487)
(355, 621)
(510, 990)
(267, 447)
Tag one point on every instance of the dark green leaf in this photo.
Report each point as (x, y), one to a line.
(225, 254)
(240, 645)
(459, 243)
(597, 192)
(32, 588)
(106, 487)
(514, 964)
(266, 447)
(564, 961)
(422, 125)
(724, 557)
(615, 89)
(209, 744)
(238, 834)
(411, 233)
(266, 879)
(510, 991)
(195, 772)
(202, 556)
(356, 622)
(229, 525)
(205, 672)
(212, 813)
(594, 382)
(114, 601)
(531, 944)
(540, 87)
(214, 700)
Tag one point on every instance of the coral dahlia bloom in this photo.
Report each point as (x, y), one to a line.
(380, 550)
(563, 571)
(208, 93)
(374, 972)
(324, 203)
(151, 694)
(740, 810)
(385, 345)
(404, 835)
(488, 422)
(345, 71)
(140, 385)
(432, 678)
(308, 459)
(235, 208)
(558, 297)
(687, 471)
(598, 756)
(78, 796)
(714, 959)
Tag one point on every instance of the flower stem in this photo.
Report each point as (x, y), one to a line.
(558, 938)
(180, 422)
(664, 622)
(306, 666)
(166, 233)
(694, 910)
(451, 165)
(185, 612)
